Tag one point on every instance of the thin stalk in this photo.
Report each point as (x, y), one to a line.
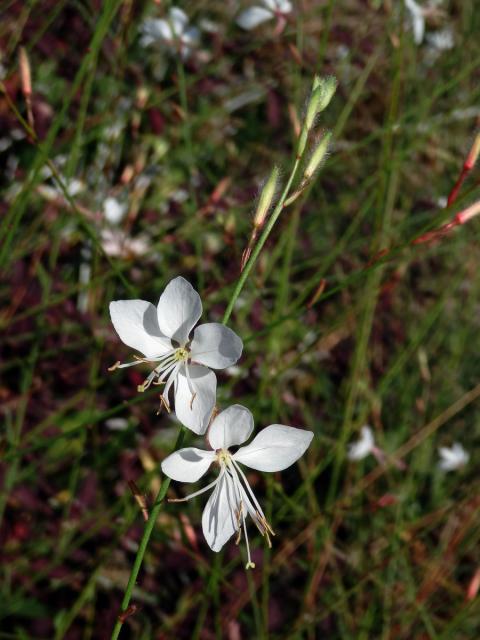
(263, 238)
(144, 542)
(281, 205)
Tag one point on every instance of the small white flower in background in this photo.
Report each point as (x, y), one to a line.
(254, 16)
(417, 14)
(113, 210)
(275, 448)
(452, 458)
(174, 32)
(115, 242)
(162, 335)
(366, 446)
(441, 40)
(363, 447)
(116, 424)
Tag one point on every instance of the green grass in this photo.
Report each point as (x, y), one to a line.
(392, 342)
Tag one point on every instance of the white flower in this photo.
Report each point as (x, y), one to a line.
(252, 17)
(113, 210)
(174, 32)
(115, 242)
(162, 335)
(452, 458)
(441, 40)
(275, 448)
(363, 447)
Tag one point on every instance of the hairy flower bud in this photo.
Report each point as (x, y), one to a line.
(318, 155)
(266, 198)
(322, 92)
(328, 86)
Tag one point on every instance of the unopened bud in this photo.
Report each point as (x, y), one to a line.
(318, 155)
(329, 86)
(322, 92)
(266, 198)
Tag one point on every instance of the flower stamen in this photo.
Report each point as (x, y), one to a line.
(199, 492)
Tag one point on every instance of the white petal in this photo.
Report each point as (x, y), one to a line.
(178, 19)
(231, 427)
(195, 414)
(153, 29)
(418, 20)
(136, 323)
(362, 448)
(179, 309)
(275, 448)
(251, 18)
(219, 521)
(215, 346)
(187, 465)
(282, 6)
(113, 210)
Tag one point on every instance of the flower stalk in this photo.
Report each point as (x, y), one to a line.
(322, 92)
(231, 481)
(152, 518)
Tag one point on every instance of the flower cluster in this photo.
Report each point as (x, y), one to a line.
(175, 34)
(183, 356)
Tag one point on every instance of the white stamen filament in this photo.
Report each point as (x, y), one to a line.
(253, 514)
(138, 360)
(196, 493)
(171, 379)
(267, 528)
(241, 511)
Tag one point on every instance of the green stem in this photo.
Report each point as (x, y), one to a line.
(263, 238)
(152, 518)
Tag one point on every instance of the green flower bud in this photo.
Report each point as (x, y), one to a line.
(322, 92)
(329, 86)
(266, 198)
(317, 156)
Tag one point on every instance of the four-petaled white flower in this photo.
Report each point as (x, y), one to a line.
(363, 447)
(275, 448)
(162, 335)
(252, 17)
(452, 458)
(174, 32)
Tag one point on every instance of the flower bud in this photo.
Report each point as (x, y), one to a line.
(322, 92)
(329, 86)
(266, 197)
(318, 155)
